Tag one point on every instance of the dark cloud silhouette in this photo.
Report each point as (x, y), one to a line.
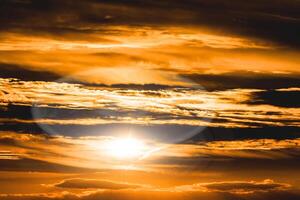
(245, 79)
(288, 99)
(26, 73)
(268, 132)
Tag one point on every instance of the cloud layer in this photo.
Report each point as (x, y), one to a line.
(210, 88)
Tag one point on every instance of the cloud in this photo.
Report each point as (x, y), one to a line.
(174, 44)
(33, 165)
(254, 191)
(75, 110)
(8, 155)
(59, 154)
(94, 184)
(262, 144)
(251, 19)
(63, 105)
(264, 157)
(26, 73)
(152, 55)
(286, 99)
(245, 79)
(182, 164)
(237, 186)
(43, 153)
(123, 61)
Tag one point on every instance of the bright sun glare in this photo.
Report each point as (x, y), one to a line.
(125, 148)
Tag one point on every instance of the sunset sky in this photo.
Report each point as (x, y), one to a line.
(145, 99)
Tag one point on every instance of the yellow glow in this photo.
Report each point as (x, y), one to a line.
(126, 148)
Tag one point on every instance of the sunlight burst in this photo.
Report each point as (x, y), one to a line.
(126, 148)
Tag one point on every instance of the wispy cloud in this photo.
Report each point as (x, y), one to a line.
(219, 190)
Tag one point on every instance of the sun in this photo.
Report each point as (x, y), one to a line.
(126, 148)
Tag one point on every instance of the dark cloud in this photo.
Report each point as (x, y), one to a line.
(288, 99)
(267, 132)
(26, 73)
(240, 186)
(36, 112)
(276, 21)
(78, 183)
(245, 79)
(12, 114)
(237, 162)
(8, 141)
(164, 132)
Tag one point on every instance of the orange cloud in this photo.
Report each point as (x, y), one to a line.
(215, 191)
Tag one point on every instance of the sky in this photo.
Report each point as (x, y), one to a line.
(146, 99)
